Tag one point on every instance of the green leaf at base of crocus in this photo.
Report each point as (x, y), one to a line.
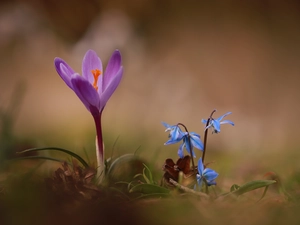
(80, 159)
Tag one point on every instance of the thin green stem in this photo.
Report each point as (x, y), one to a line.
(206, 185)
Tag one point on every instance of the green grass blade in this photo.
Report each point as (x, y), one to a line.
(83, 162)
(150, 178)
(145, 177)
(252, 185)
(40, 157)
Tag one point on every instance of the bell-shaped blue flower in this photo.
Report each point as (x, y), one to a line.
(215, 124)
(176, 134)
(205, 173)
(190, 139)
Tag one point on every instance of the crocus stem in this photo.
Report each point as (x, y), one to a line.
(99, 147)
(205, 135)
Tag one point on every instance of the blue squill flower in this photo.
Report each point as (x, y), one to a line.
(215, 124)
(176, 134)
(189, 139)
(205, 173)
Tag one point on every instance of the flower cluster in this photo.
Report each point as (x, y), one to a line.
(191, 140)
(96, 86)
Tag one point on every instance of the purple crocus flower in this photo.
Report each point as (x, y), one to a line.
(93, 88)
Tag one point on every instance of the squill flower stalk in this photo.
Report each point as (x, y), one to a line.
(215, 125)
(93, 88)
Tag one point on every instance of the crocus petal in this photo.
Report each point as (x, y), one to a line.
(64, 71)
(221, 117)
(227, 121)
(109, 90)
(86, 93)
(91, 62)
(112, 68)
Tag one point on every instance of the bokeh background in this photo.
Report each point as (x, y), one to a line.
(182, 59)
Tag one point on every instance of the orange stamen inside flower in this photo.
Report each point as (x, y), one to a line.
(96, 73)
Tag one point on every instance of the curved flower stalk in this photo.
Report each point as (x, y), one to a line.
(93, 88)
(189, 139)
(215, 124)
(205, 174)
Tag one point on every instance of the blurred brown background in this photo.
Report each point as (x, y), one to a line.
(182, 59)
